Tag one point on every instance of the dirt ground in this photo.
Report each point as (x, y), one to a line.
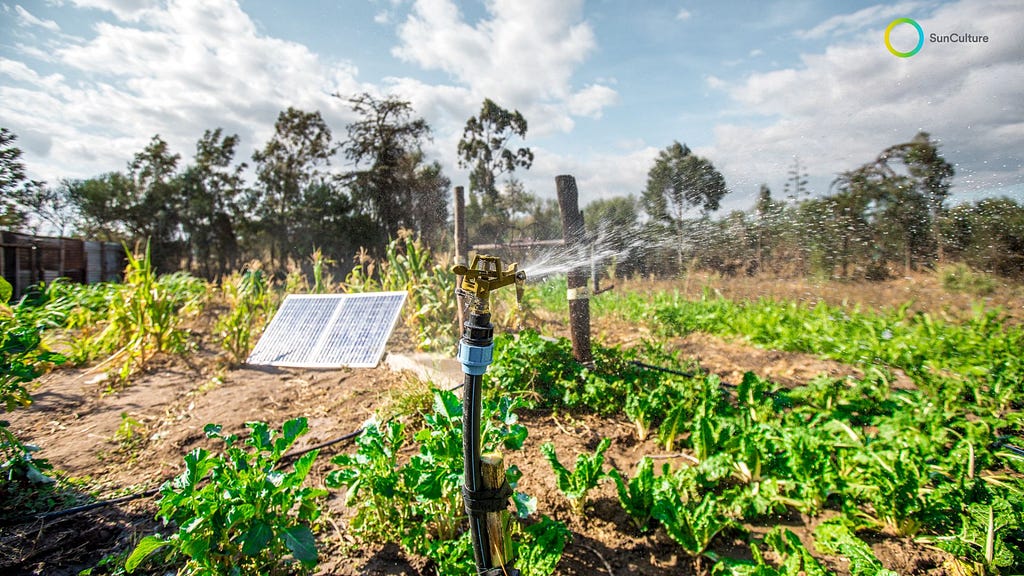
(74, 421)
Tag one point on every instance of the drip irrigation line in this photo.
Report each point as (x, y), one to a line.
(297, 453)
(78, 509)
(153, 491)
(646, 366)
(691, 374)
(1015, 449)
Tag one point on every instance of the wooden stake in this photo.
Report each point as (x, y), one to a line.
(461, 248)
(499, 545)
(579, 299)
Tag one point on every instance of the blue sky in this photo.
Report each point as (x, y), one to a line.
(604, 84)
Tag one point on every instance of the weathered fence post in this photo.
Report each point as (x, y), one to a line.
(461, 247)
(579, 298)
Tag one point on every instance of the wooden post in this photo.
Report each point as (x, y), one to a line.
(499, 543)
(461, 248)
(579, 298)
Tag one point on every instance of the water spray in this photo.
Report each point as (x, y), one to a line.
(486, 491)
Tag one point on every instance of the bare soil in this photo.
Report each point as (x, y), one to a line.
(75, 417)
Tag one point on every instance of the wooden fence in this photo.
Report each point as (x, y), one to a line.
(28, 260)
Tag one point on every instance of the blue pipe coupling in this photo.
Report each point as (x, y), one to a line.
(475, 359)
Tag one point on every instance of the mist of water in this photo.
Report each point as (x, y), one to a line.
(608, 244)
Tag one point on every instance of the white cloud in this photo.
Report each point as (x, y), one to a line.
(683, 14)
(840, 108)
(126, 10)
(523, 56)
(27, 19)
(843, 24)
(592, 100)
(191, 65)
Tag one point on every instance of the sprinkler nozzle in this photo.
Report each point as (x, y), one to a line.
(485, 275)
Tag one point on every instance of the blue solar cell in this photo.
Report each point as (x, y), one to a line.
(329, 330)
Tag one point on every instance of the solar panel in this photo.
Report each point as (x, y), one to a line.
(329, 330)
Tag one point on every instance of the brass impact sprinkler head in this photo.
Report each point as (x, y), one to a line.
(485, 275)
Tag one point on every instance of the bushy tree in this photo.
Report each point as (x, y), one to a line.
(15, 186)
(485, 149)
(393, 183)
(291, 164)
(679, 182)
(212, 190)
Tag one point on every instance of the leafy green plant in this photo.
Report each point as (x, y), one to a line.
(19, 466)
(145, 316)
(131, 433)
(834, 537)
(796, 559)
(239, 512)
(539, 546)
(960, 278)
(374, 481)
(637, 495)
(417, 503)
(690, 522)
(575, 484)
(990, 534)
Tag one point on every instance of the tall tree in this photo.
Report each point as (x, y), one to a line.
(485, 149)
(157, 202)
(795, 190)
(679, 182)
(768, 220)
(932, 176)
(392, 182)
(15, 186)
(293, 161)
(212, 190)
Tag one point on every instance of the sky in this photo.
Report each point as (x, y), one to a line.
(604, 84)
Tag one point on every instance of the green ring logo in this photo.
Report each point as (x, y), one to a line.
(920, 37)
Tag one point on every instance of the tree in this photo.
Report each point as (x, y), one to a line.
(795, 189)
(484, 149)
(104, 205)
(156, 203)
(293, 161)
(932, 175)
(768, 221)
(395, 186)
(51, 206)
(613, 225)
(678, 182)
(211, 191)
(989, 235)
(15, 186)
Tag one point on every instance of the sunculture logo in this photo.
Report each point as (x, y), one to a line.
(934, 38)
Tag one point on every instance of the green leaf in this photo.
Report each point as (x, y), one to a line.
(142, 550)
(6, 291)
(294, 428)
(256, 538)
(304, 464)
(299, 539)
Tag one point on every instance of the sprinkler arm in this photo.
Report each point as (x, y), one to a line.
(485, 275)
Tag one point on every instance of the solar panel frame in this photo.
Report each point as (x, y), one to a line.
(329, 330)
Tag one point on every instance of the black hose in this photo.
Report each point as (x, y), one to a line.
(471, 408)
(478, 333)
